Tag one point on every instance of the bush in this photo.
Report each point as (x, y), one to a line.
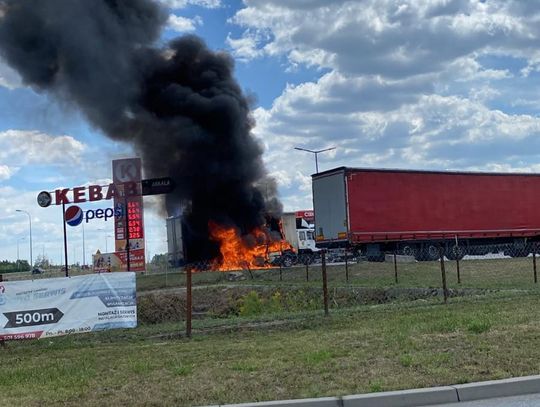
(251, 304)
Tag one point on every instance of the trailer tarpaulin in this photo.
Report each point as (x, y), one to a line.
(61, 306)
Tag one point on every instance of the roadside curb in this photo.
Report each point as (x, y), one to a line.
(416, 397)
(403, 398)
(317, 402)
(498, 388)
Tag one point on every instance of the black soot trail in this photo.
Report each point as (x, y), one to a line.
(177, 104)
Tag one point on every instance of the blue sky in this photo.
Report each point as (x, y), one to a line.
(438, 84)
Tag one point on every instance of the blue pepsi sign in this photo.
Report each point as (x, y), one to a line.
(75, 215)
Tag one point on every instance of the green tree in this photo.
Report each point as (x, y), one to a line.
(42, 261)
(14, 266)
(159, 260)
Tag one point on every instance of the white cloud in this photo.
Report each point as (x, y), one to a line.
(5, 172)
(384, 37)
(180, 4)
(182, 24)
(23, 147)
(244, 48)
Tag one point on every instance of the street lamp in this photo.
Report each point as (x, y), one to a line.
(106, 238)
(83, 247)
(315, 152)
(30, 220)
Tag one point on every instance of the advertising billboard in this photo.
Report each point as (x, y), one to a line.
(117, 261)
(43, 308)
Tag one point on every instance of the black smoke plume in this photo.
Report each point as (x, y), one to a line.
(177, 104)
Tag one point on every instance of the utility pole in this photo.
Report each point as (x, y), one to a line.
(29, 220)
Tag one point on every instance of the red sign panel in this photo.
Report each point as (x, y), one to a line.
(128, 172)
(308, 215)
(135, 226)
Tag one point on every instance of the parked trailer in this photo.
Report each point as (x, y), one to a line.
(417, 212)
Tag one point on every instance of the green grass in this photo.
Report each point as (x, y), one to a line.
(355, 350)
(487, 274)
(504, 273)
(265, 355)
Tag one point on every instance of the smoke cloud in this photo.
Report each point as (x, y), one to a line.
(177, 104)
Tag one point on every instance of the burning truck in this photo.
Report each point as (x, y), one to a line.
(282, 241)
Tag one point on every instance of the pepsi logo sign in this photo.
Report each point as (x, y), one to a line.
(74, 215)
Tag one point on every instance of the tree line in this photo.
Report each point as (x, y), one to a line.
(7, 266)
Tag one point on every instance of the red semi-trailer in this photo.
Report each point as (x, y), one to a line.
(417, 212)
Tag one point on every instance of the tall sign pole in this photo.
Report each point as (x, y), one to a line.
(128, 263)
(65, 239)
(128, 229)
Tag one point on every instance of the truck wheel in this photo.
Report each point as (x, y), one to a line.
(429, 252)
(287, 261)
(409, 250)
(455, 252)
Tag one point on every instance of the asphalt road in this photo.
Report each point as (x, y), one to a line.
(529, 400)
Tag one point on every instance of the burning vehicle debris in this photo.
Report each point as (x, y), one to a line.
(177, 105)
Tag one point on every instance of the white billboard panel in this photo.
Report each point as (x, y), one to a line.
(60, 306)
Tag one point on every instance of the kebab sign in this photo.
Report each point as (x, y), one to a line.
(93, 193)
(126, 191)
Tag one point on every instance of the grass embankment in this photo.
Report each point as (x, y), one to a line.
(486, 273)
(500, 273)
(369, 348)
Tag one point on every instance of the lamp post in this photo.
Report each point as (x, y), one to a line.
(29, 220)
(83, 247)
(315, 152)
(106, 238)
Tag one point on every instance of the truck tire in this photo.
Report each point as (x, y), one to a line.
(455, 252)
(429, 252)
(409, 250)
(287, 261)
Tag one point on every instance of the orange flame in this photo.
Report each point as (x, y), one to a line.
(240, 252)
